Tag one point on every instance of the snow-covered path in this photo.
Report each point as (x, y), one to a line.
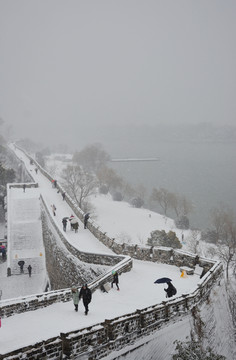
(137, 291)
(83, 240)
(137, 287)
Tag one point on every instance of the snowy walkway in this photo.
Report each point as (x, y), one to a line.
(137, 288)
(83, 240)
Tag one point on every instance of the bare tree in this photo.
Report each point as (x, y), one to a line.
(224, 223)
(79, 184)
(109, 177)
(128, 190)
(193, 242)
(180, 204)
(163, 197)
(91, 158)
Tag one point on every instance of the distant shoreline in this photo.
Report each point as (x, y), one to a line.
(134, 159)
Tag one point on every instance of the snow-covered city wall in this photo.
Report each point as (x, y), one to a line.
(101, 339)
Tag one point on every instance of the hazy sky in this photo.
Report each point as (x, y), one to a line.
(70, 69)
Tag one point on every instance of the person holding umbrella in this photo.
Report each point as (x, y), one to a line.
(171, 290)
(21, 264)
(74, 223)
(64, 222)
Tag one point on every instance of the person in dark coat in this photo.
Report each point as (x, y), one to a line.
(115, 280)
(21, 263)
(63, 195)
(24, 186)
(86, 217)
(171, 290)
(86, 295)
(4, 256)
(64, 222)
(76, 226)
(29, 270)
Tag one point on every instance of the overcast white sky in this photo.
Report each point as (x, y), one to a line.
(70, 66)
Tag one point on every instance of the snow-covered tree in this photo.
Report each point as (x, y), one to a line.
(161, 238)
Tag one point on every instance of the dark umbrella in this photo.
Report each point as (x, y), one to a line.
(65, 218)
(162, 280)
(21, 262)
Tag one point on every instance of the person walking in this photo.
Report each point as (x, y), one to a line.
(115, 280)
(171, 290)
(64, 222)
(29, 270)
(76, 226)
(4, 255)
(21, 264)
(86, 295)
(24, 186)
(53, 209)
(86, 217)
(71, 223)
(63, 195)
(75, 297)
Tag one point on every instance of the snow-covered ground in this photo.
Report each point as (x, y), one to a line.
(137, 286)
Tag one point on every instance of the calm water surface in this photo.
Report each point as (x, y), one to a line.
(204, 172)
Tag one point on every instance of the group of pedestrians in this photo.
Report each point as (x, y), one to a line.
(21, 264)
(74, 222)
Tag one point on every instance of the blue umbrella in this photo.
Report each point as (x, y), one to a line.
(162, 280)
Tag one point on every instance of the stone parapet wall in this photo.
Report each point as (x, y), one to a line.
(49, 349)
(93, 258)
(101, 339)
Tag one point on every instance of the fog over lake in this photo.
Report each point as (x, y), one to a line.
(203, 172)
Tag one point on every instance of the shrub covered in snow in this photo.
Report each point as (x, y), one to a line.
(137, 202)
(161, 238)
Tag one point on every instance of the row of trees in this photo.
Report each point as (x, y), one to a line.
(91, 171)
(93, 159)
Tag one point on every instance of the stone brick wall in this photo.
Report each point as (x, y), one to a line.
(101, 339)
(49, 349)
